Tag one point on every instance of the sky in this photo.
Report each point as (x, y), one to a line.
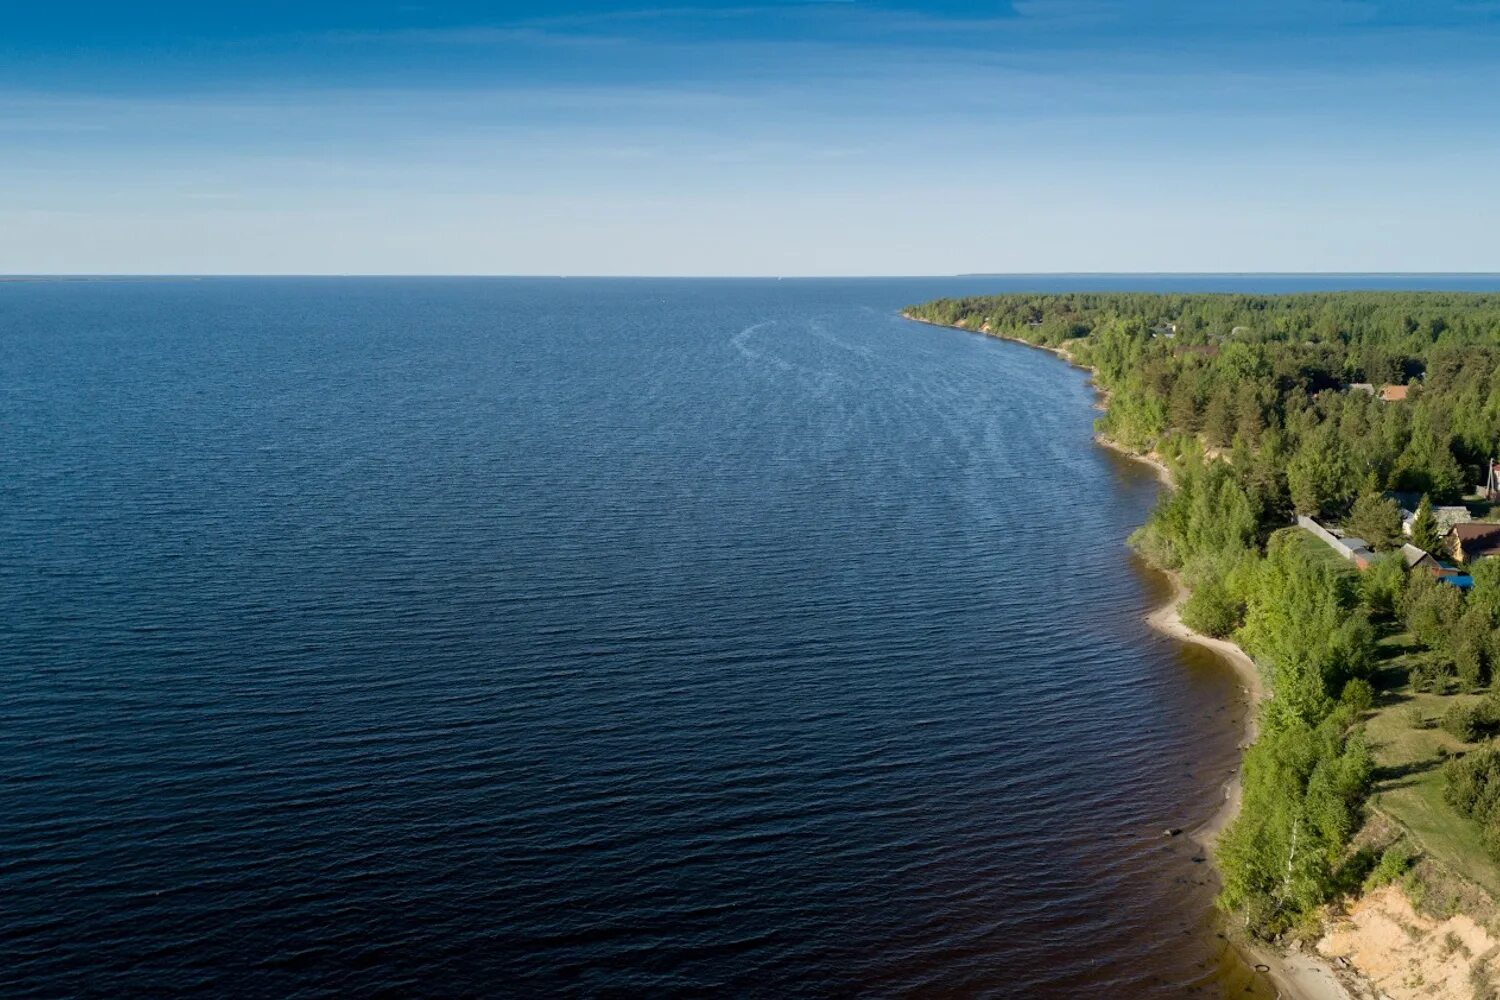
(783, 137)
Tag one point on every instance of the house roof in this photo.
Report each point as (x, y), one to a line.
(1443, 517)
(1412, 555)
(1477, 537)
(1393, 393)
(1446, 517)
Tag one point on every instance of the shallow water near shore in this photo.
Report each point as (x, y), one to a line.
(468, 636)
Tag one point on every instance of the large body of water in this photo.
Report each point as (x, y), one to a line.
(527, 637)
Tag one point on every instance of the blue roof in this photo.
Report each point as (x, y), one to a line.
(1461, 582)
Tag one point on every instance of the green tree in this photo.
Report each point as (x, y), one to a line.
(1257, 378)
(1212, 610)
(1218, 420)
(1318, 476)
(1376, 520)
(1469, 645)
(1383, 585)
(1432, 611)
(1302, 621)
(1424, 527)
(1303, 786)
(1486, 592)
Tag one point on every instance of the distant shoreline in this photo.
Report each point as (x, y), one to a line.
(1307, 977)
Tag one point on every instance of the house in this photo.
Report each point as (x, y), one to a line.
(1364, 387)
(1447, 517)
(1444, 518)
(1446, 572)
(1453, 576)
(1474, 540)
(1357, 551)
(1393, 393)
(1443, 572)
(1415, 557)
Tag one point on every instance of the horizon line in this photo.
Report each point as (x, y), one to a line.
(128, 275)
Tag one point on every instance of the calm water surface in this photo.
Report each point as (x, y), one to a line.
(527, 637)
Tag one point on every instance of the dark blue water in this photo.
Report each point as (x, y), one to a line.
(514, 637)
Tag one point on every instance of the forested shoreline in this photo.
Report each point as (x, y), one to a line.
(1327, 405)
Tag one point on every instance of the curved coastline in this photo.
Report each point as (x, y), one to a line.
(1167, 619)
(1295, 974)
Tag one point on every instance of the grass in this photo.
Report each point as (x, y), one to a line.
(1409, 774)
(1317, 548)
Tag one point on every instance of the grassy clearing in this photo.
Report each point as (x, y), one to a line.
(1410, 748)
(1317, 548)
(1409, 757)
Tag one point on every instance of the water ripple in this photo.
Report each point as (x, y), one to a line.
(518, 637)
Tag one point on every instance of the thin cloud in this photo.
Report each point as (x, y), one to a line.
(477, 35)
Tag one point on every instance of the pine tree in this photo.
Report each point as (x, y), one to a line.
(1377, 521)
(1218, 421)
(1424, 529)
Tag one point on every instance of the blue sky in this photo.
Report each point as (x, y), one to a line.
(832, 137)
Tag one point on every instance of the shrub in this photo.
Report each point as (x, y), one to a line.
(1465, 721)
(1155, 547)
(1453, 944)
(1211, 610)
(1489, 836)
(1358, 695)
(1393, 865)
(1472, 786)
(1431, 674)
(1482, 980)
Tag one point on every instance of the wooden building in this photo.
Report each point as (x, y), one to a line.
(1475, 540)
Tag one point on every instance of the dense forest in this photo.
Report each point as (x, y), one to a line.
(1266, 407)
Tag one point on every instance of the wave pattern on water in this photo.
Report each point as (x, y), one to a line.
(522, 637)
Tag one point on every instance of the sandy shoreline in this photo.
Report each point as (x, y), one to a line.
(1167, 620)
(1296, 975)
(986, 331)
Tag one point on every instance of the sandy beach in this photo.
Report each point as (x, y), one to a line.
(1296, 974)
(1167, 619)
(1300, 975)
(1060, 352)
